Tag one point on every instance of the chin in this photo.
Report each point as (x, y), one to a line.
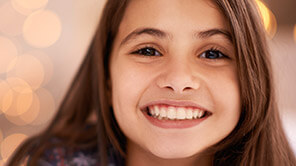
(174, 152)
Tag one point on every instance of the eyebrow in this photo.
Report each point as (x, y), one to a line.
(212, 32)
(161, 34)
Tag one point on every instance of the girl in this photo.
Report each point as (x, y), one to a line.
(169, 82)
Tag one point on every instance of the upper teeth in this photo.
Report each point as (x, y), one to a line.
(170, 112)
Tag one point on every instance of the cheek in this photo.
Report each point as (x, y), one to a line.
(127, 81)
(128, 84)
(226, 96)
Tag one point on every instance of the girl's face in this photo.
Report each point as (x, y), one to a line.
(175, 89)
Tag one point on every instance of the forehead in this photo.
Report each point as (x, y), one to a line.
(176, 16)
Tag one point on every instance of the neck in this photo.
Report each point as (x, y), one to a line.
(139, 157)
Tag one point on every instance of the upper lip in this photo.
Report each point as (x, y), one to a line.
(174, 103)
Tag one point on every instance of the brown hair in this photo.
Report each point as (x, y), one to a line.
(258, 138)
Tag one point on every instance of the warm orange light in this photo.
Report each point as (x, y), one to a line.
(22, 97)
(19, 85)
(15, 120)
(33, 111)
(27, 117)
(28, 6)
(42, 29)
(47, 64)
(269, 20)
(10, 143)
(47, 107)
(6, 96)
(11, 21)
(29, 69)
(8, 52)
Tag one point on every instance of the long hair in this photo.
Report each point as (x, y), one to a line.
(258, 138)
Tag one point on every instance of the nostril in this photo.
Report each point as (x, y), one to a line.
(179, 85)
(169, 87)
(179, 89)
(187, 88)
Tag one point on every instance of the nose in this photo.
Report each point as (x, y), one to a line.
(178, 77)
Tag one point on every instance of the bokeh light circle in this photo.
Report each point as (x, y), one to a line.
(47, 107)
(31, 4)
(33, 111)
(22, 97)
(10, 143)
(8, 53)
(28, 68)
(11, 21)
(27, 117)
(6, 96)
(269, 19)
(42, 29)
(28, 6)
(47, 64)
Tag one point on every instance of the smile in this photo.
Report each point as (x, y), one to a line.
(175, 115)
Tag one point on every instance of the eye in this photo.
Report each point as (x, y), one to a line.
(213, 54)
(147, 51)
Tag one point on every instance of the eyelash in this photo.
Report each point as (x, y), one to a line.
(140, 51)
(213, 51)
(216, 53)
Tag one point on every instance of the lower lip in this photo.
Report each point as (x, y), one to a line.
(177, 124)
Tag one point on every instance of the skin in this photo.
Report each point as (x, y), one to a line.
(177, 71)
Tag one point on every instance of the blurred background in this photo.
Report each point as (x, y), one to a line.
(42, 43)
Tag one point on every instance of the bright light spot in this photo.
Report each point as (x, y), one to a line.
(264, 13)
(269, 20)
(15, 120)
(33, 111)
(27, 6)
(6, 96)
(27, 117)
(28, 68)
(47, 107)
(22, 97)
(8, 53)
(42, 29)
(10, 143)
(46, 63)
(11, 21)
(20, 9)
(19, 85)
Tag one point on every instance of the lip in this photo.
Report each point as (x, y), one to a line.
(174, 124)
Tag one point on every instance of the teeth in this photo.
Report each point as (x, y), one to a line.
(172, 113)
(189, 113)
(200, 114)
(163, 113)
(195, 114)
(151, 111)
(181, 114)
(156, 110)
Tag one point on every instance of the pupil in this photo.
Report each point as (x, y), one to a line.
(212, 54)
(148, 51)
